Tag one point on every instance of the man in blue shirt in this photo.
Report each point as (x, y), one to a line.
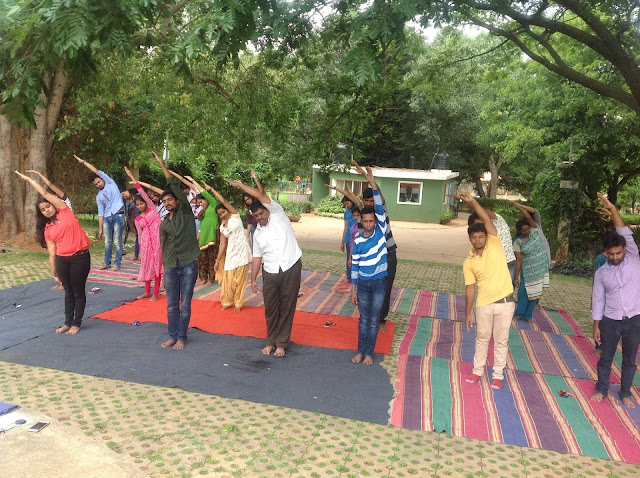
(369, 273)
(110, 213)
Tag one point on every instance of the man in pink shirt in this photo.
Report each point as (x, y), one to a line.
(616, 306)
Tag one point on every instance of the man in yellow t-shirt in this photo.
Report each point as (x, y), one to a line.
(486, 268)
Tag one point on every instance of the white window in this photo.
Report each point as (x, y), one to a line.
(409, 193)
(355, 186)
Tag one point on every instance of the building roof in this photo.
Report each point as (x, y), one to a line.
(400, 173)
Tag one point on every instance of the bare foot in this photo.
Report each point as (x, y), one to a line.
(238, 309)
(153, 298)
(73, 330)
(267, 350)
(368, 360)
(136, 259)
(168, 343)
(63, 329)
(279, 352)
(382, 327)
(225, 307)
(58, 287)
(597, 397)
(115, 268)
(357, 358)
(103, 268)
(204, 282)
(627, 402)
(179, 345)
(143, 296)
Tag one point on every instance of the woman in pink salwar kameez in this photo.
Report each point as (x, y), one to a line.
(148, 227)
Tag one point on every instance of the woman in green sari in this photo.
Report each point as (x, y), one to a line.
(532, 264)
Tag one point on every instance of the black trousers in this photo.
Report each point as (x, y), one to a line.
(72, 272)
(280, 293)
(611, 331)
(392, 265)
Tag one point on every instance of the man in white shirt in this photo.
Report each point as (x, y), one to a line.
(274, 243)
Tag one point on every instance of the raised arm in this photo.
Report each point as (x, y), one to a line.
(611, 210)
(53, 187)
(482, 214)
(368, 174)
(142, 192)
(196, 185)
(147, 185)
(525, 213)
(225, 203)
(52, 198)
(165, 171)
(257, 181)
(192, 186)
(253, 192)
(346, 192)
(89, 166)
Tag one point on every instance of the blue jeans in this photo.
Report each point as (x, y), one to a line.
(611, 331)
(179, 283)
(370, 299)
(525, 307)
(113, 227)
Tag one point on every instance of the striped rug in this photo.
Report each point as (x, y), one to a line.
(127, 276)
(327, 293)
(529, 350)
(527, 411)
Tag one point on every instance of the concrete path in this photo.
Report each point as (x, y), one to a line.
(416, 241)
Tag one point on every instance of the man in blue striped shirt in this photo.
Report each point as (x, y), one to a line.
(369, 273)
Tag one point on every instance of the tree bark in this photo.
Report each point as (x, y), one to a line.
(494, 167)
(22, 149)
(479, 187)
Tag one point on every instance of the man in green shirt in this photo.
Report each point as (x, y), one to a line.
(180, 251)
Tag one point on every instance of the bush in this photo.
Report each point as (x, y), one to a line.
(446, 217)
(292, 208)
(630, 219)
(331, 205)
(307, 206)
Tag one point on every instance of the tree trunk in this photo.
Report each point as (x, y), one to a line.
(612, 193)
(494, 167)
(479, 187)
(22, 149)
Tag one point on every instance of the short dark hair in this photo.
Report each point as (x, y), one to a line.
(367, 193)
(472, 218)
(356, 209)
(200, 196)
(612, 239)
(220, 206)
(137, 198)
(133, 191)
(255, 205)
(477, 227)
(345, 199)
(168, 193)
(367, 210)
(520, 224)
(92, 176)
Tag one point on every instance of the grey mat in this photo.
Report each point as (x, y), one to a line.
(42, 309)
(307, 378)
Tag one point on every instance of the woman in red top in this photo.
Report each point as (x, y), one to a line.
(68, 245)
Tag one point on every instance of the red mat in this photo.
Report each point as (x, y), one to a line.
(308, 328)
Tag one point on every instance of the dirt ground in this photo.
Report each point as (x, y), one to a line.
(447, 243)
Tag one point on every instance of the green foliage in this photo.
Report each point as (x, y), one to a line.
(630, 219)
(331, 204)
(446, 217)
(292, 208)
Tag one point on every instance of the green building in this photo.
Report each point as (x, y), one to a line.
(412, 195)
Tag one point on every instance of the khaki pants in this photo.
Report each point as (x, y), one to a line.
(492, 320)
(234, 285)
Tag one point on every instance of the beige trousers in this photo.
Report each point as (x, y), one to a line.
(234, 285)
(492, 320)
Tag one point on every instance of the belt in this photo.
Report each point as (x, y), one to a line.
(504, 300)
(79, 253)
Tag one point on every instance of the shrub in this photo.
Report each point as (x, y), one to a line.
(292, 208)
(446, 217)
(331, 205)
